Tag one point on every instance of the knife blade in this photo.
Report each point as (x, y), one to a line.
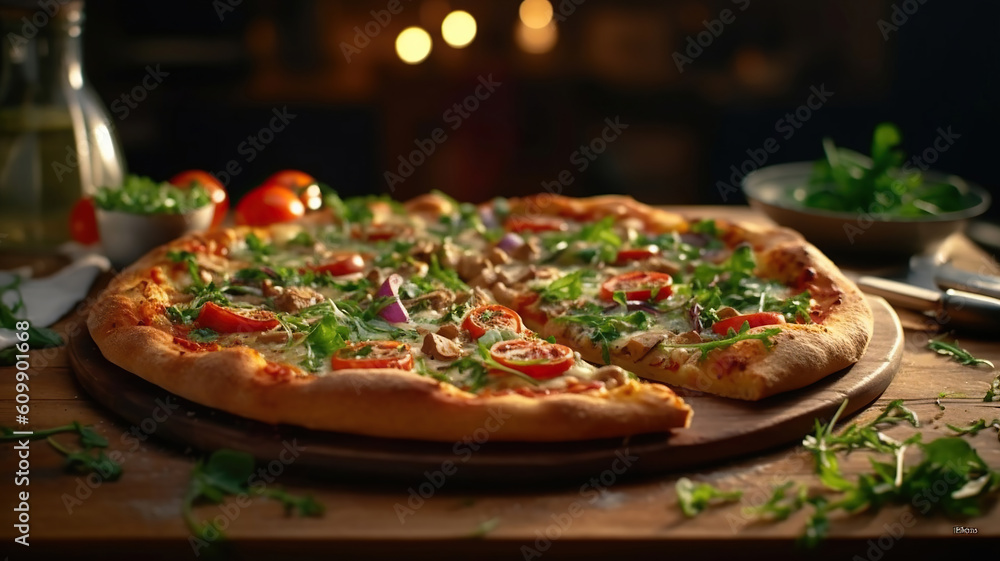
(951, 307)
(947, 276)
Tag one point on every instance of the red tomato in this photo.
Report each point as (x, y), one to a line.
(214, 187)
(537, 359)
(225, 320)
(483, 318)
(758, 319)
(345, 264)
(269, 204)
(638, 285)
(83, 222)
(534, 224)
(302, 184)
(374, 354)
(636, 254)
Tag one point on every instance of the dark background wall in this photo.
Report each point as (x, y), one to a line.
(229, 70)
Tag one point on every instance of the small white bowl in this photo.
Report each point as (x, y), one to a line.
(126, 236)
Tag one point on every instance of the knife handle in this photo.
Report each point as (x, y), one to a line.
(949, 277)
(970, 311)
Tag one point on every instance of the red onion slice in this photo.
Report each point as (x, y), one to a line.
(510, 241)
(394, 312)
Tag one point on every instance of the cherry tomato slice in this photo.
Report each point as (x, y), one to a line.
(758, 319)
(537, 359)
(373, 354)
(214, 187)
(83, 222)
(636, 254)
(494, 316)
(225, 320)
(534, 224)
(303, 184)
(639, 285)
(345, 264)
(269, 204)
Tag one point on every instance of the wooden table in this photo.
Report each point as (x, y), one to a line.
(139, 516)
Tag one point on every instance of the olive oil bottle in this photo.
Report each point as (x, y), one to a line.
(57, 142)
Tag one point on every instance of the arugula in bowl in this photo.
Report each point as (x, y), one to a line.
(142, 195)
(846, 180)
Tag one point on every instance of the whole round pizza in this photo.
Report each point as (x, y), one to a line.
(544, 318)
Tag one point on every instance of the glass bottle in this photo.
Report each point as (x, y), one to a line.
(57, 141)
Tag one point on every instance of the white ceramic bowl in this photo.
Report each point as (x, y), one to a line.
(126, 236)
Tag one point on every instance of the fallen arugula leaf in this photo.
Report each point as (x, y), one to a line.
(730, 339)
(227, 472)
(975, 427)
(958, 354)
(781, 504)
(80, 461)
(695, 498)
(38, 337)
(485, 527)
(993, 394)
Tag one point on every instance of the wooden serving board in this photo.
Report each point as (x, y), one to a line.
(721, 428)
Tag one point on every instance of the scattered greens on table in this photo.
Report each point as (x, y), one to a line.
(142, 195)
(38, 337)
(948, 460)
(81, 461)
(958, 354)
(847, 181)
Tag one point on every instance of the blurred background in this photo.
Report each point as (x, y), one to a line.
(663, 100)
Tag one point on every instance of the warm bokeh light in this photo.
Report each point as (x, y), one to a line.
(536, 41)
(413, 45)
(458, 29)
(536, 14)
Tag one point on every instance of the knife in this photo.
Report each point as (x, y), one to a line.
(947, 276)
(951, 307)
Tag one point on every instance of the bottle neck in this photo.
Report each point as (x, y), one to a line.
(42, 52)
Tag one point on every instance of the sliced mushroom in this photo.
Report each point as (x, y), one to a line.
(498, 256)
(687, 338)
(612, 376)
(661, 265)
(435, 299)
(514, 273)
(470, 265)
(727, 312)
(486, 278)
(449, 331)
(295, 298)
(640, 344)
(438, 347)
(530, 251)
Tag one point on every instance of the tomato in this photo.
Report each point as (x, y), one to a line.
(269, 204)
(639, 285)
(345, 264)
(303, 184)
(83, 222)
(214, 187)
(494, 316)
(535, 358)
(636, 254)
(758, 319)
(225, 320)
(534, 224)
(374, 354)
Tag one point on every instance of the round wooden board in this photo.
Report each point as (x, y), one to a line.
(721, 428)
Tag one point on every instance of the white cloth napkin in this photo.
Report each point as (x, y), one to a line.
(48, 298)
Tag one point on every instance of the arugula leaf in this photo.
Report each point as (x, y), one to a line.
(567, 288)
(993, 394)
(303, 238)
(957, 353)
(38, 337)
(227, 472)
(258, 249)
(604, 329)
(706, 226)
(81, 461)
(730, 339)
(975, 427)
(203, 335)
(780, 505)
(142, 195)
(695, 498)
(191, 260)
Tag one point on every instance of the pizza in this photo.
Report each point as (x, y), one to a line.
(543, 318)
